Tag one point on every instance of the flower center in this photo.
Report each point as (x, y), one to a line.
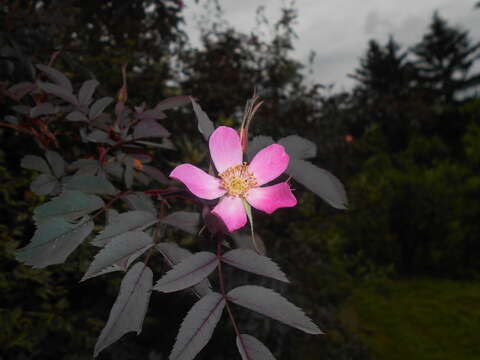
(237, 180)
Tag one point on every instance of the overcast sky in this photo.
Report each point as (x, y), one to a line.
(339, 30)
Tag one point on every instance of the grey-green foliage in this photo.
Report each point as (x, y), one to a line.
(251, 348)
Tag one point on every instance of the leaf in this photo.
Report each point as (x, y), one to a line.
(183, 220)
(42, 109)
(76, 116)
(44, 184)
(128, 174)
(249, 260)
(187, 273)
(205, 125)
(33, 162)
(155, 174)
(298, 147)
(173, 255)
(148, 129)
(86, 91)
(319, 181)
(56, 162)
(98, 106)
(269, 303)
(197, 327)
(21, 89)
(135, 220)
(121, 251)
(53, 241)
(153, 114)
(252, 349)
(85, 167)
(141, 201)
(99, 136)
(90, 184)
(70, 205)
(257, 144)
(172, 102)
(130, 307)
(58, 91)
(56, 76)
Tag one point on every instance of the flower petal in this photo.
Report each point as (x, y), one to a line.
(198, 181)
(270, 198)
(230, 209)
(269, 163)
(225, 148)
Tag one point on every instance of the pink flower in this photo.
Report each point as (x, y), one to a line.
(238, 181)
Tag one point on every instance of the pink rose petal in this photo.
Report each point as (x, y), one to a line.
(225, 148)
(230, 209)
(198, 181)
(269, 163)
(270, 198)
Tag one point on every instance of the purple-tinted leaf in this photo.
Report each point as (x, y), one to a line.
(189, 272)
(172, 102)
(115, 168)
(141, 178)
(22, 109)
(269, 303)
(298, 147)
(129, 221)
(249, 260)
(90, 184)
(44, 184)
(128, 175)
(173, 255)
(155, 174)
(257, 144)
(42, 109)
(183, 220)
(21, 89)
(56, 76)
(58, 91)
(252, 349)
(205, 125)
(98, 106)
(53, 241)
(197, 327)
(56, 163)
(76, 116)
(165, 144)
(152, 114)
(37, 163)
(130, 307)
(119, 253)
(99, 136)
(141, 201)
(148, 129)
(70, 205)
(319, 181)
(85, 167)
(86, 91)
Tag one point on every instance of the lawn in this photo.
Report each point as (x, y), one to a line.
(417, 319)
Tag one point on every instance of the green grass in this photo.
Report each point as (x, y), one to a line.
(417, 320)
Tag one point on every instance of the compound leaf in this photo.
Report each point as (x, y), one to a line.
(148, 129)
(251, 348)
(135, 220)
(299, 147)
(44, 184)
(33, 162)
(269, 303)
(119, 253)
(58, 91)
(249, 260)
(188, 272)
(70, 205)
(90, 184)
(197, 327)
(205, 125)
(319, 181)
(183, 220)
(130, 307)
(56, 162)
(53, 241)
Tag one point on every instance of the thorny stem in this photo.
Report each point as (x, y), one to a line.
(222, 288)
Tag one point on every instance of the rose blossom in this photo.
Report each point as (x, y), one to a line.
(238, 180)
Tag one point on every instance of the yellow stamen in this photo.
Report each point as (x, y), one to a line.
(237, 180)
